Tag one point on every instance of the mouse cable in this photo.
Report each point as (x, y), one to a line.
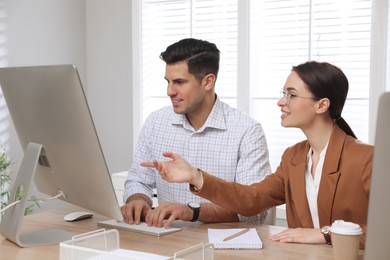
(9, 206)
(60, 194)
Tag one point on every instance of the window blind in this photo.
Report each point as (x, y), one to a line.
(290, 32)
(165, 22)
(282, 33)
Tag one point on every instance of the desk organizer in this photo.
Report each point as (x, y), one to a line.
(102, 244)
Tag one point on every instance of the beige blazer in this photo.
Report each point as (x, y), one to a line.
(343, 192)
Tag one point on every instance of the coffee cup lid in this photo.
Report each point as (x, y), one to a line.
(344, 227)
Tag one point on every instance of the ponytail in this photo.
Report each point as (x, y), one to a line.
(344, 126)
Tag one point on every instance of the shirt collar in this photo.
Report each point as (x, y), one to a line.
(322, 154)
(216, 118)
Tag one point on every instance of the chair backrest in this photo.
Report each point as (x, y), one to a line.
(271, 217)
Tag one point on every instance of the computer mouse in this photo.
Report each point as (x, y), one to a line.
(78, 215)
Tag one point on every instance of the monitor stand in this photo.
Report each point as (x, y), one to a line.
(11, 222)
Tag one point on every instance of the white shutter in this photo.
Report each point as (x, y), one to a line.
(166, 22)
(282, 33)
(163, 22)
(287, 33)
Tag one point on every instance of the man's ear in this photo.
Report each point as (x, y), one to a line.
(323, 105)
(208, 81)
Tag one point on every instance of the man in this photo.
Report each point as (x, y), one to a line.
(206, 131)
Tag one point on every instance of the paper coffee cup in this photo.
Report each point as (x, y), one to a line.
(345, 240)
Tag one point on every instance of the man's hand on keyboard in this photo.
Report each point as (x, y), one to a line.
(168, 211)
(136, 209)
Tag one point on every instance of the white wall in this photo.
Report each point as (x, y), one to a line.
(379, 62)
(39, 32)
(109, 73)
(95, 35)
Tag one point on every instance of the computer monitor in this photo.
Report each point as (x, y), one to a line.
(62, 153)
(378, 223)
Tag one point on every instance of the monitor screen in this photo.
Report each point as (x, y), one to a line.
(48, 107)
(377, 241)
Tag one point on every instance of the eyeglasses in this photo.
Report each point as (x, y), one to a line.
(288, 96)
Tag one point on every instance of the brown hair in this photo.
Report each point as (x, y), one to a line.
(325, 80)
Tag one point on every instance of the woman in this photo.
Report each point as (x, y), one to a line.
(322, 179)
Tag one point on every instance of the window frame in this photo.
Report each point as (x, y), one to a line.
(378, 62)
(378, 76)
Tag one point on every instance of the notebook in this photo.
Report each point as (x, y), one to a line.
(248, 240)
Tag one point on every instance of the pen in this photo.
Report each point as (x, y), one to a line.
(236, 234)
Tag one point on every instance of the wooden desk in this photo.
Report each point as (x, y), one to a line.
(166, 245)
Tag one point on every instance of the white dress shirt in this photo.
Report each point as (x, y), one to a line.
(313, 184)
(230, 145)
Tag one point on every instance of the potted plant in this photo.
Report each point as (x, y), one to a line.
(5, 181)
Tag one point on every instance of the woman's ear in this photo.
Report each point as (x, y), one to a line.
(323, 105)
(209, 81)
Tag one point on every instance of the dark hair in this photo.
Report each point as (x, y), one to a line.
(202, 57)
(325, 80)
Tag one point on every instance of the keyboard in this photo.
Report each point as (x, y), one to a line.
(140, 228)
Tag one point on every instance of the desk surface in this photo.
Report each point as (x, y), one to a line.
(166, 245)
